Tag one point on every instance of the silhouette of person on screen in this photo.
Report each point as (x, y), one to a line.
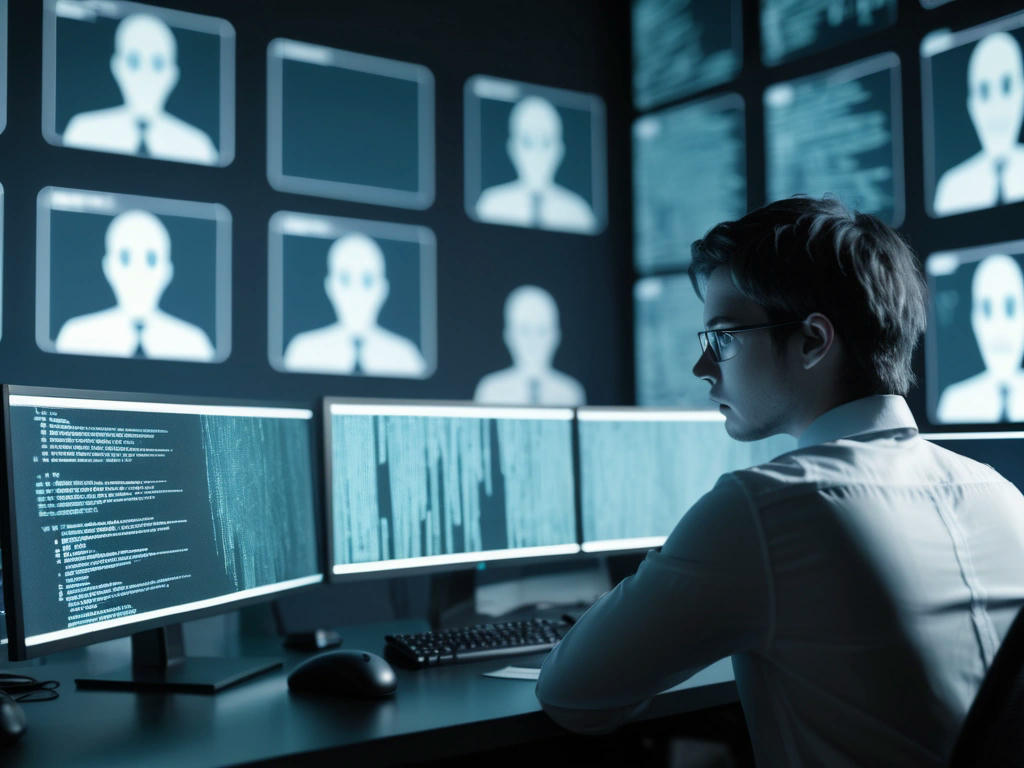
(536, 149)
(997, 318)
(137, 264)
(357, 288)
(144, 65)
(995, 101)
(532, 335)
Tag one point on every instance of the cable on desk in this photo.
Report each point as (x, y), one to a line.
(25, 688)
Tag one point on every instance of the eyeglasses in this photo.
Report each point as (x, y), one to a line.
(722, 344)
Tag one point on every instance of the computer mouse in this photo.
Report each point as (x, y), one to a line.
(345, 673)
(12, 720)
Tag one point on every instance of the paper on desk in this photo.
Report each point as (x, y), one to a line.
(515, 673)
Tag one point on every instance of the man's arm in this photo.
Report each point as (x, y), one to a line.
(706, 595)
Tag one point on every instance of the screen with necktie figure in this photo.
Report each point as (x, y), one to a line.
(131, 276)
(973, 117)
(975, 341)
(351, 297)
(139, 80)
(413, 487)
(535, 156)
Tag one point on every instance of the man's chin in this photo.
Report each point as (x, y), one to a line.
(744, 433)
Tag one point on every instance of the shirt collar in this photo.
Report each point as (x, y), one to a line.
(877, 413)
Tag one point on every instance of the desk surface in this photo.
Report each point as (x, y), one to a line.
(436, 713)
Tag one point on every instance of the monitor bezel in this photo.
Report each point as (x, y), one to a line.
(633, 413)
(435, 568)
(18, 649)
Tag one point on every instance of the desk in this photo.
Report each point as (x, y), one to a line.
(436, 713)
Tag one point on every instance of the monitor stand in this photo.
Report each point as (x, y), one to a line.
(159, 664)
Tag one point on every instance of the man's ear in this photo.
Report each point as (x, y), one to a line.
(816, 339)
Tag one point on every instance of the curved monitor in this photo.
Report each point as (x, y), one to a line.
(641, 469)
(444, 486)
(131, 512)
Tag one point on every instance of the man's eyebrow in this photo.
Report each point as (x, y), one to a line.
(719, 320)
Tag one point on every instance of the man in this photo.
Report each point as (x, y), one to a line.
(532, 336)
(995, 102)
(137, 265)
(536, 149)
(861, 583)
(145, 67)
(357, 287)
(997, 319)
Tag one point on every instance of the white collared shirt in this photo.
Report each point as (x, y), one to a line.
(861, 583)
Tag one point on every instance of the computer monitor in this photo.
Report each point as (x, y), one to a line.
(127, 513)
(641, 469)
(446, 486)
(840, 133)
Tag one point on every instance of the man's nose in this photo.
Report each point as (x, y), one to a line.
(706, 368)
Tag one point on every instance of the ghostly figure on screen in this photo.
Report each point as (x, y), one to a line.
(357, 288)
(536, 149)
(138, 266)
(995, 102)
(144, 65)
(532, 335)
(997, 318)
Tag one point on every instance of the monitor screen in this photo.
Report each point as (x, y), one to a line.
(839, 133)
(130, 512)
(699, 140)
(642, 469)
(667, 316)
(681, 47)
(349, 126)
(973, 126)
(792, 28)
(974, 349)
(417, 486)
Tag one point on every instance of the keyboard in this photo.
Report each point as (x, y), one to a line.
(475, 643)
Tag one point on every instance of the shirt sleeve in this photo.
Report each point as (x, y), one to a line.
(706, 595)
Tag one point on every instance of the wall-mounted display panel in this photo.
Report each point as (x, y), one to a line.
(349, 126)
(973, 111)
(351, 297)
(840, 133)
(535, 156)
(681, 47)
(975, 339)
(793, 28)
(132, 277)
(668, 315)
(674, 152)
(139, 80)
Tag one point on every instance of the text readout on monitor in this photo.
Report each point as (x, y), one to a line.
(420, 486)
(129, 511)
(641, 470)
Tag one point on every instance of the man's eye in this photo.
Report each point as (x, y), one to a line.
(725, 339)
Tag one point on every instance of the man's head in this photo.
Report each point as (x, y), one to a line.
(995, 92)
(535, 141)
(137, 262)
(997, 314)
(531, 329)
(145, 63)
(355, 283)
(850, 283)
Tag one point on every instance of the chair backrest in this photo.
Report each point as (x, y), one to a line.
(993, 731)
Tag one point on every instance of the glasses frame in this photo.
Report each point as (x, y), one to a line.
(704, 337)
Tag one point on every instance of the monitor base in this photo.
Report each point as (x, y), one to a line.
(159, 664)
(195, 674)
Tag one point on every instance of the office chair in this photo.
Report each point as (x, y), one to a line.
(992, 735)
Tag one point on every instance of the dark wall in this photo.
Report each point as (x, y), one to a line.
(573, 44)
